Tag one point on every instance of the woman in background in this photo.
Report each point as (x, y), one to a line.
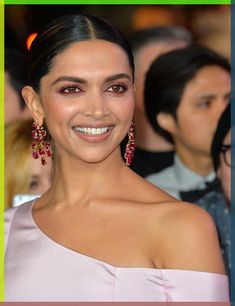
(15, 76)
(24, 176)
(101, 232)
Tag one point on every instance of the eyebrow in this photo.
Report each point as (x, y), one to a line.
(83, 81)
(118, 76)
(211, 96)
(205, 96)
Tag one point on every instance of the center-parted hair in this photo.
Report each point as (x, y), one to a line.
(64, 31)
(168, 76)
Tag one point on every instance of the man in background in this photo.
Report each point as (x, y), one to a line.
(153, 153)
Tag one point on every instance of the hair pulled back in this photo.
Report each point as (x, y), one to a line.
(64, 31)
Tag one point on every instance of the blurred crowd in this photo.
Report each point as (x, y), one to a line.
(182, 114)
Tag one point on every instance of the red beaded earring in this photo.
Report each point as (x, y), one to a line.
(130, 147)
(41, 147)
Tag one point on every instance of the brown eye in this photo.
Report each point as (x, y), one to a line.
(204, 104)
(118, 88)
(70, 90)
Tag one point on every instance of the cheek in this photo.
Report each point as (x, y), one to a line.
(127, 111)
(11, 102)
(58, 111)
(196, 124)
(123, 108)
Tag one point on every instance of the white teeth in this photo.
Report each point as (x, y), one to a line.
(92, 131)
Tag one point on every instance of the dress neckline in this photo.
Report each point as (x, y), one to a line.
(104, 263)
(71, 251)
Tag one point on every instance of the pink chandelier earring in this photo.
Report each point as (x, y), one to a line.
(130, 147)
(41, 147)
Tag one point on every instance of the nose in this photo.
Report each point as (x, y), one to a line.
(96, 106)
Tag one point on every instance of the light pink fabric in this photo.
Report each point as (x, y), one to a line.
(39, 269)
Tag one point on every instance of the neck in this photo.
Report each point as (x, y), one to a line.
(146, 138)
(76, 181)
(200, 163)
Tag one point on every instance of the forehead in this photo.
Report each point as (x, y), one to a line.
(210, 77)
(91, 55)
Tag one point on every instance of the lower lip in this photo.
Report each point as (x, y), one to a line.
(94, 138)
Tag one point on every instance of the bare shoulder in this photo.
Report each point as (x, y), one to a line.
(181, 235)
(188, 238)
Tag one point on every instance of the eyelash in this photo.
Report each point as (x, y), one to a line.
(69, 87)
(204, 104)
(122, 86)
(73, 89)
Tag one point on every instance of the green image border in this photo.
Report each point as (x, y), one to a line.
(129, 2)
(57, 2)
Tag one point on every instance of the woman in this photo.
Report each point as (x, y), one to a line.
(101, 232)
(24, 176)
(15, 76)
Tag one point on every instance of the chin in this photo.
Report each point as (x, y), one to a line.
(93, 159)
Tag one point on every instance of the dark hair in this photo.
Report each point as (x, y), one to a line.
(64, 31)
(223, 127)
(16, 66)
(167, 77)
(143, 37)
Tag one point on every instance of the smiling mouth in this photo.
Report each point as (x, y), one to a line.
(91, 130)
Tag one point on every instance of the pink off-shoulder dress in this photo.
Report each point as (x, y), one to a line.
(39, 269)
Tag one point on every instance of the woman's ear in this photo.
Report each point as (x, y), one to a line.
(34, 104)
(167, 122)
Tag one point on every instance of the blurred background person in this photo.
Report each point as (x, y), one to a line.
(153, 152)
(24, 176)
(15, 76)
(210, 24)
(186, 92)
(212, 27)
(221, 152)
(217, 203)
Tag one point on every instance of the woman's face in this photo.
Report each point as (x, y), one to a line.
(224, 171)
(12, 110)
(87, 99)
(40, 176)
